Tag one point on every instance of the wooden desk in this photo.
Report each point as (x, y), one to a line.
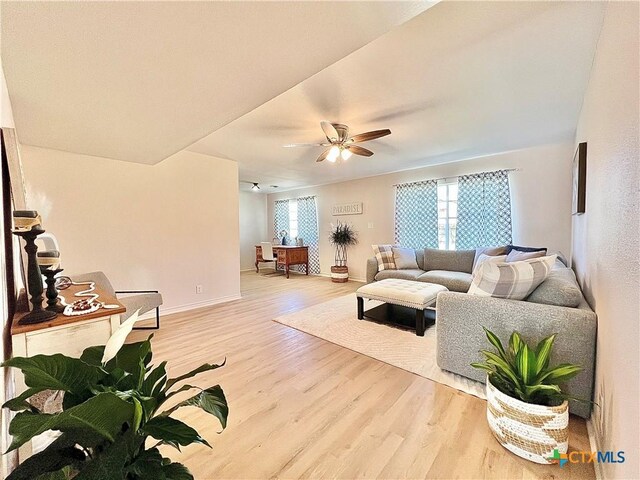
(66, 335)
(285, 256)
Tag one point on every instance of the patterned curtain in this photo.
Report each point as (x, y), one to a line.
(416, 214)
(484, 210)
(308, 231)
(280, 218)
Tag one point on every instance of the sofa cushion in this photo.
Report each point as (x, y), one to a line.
(487, 258)
(560, 289)
(405, 258)
(491, 251)
(408, 274)
(525, 249)
(454, 281)
(450, 260)
(517, 255)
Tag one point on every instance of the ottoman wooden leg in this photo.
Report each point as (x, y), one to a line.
(421, 325)
(360, 308)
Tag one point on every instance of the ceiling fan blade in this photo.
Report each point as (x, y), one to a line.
(357, 150)
(293, 145)
(365, 137)
(323, 155)
(330, 131)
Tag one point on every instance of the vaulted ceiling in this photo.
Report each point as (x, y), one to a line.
(138, 81)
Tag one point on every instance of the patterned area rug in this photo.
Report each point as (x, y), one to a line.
(336, 321)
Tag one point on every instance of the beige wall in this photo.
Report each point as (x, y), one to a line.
(253, 226)
(605, 238)
(169, 227)
(540, 192)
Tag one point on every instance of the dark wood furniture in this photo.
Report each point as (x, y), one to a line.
(399, 316)
(285, 257)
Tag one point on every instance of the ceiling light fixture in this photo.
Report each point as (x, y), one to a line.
(255, 187)
(333, 154)
(345, 154)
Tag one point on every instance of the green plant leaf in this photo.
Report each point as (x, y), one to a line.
(93, 355)
(172, 432)
(155, 381)
(133, 358)
(103, 415)
(501, 364)
(515, 343)
(56, 372)
(526, 363)
(495, 341)
(110, 463)
(532, 390)
(483, 366)
(202, 368)
(543, 353)
(560, 373)
(20, 403)
(60, 453)
(148, 465)
(211, 400)
(177, 471)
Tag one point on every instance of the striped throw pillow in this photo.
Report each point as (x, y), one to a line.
(515, 280)
(384, 255)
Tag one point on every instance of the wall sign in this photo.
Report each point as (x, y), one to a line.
(354, 208)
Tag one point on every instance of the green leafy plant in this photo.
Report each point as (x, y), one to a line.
(523, 372)
(113, 399)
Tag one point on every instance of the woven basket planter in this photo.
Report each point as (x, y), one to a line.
(530, 431)
(339, 274)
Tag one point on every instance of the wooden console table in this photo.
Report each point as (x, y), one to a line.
(286, 255)
(66, 335)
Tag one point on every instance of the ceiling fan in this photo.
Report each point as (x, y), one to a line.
(340, 143)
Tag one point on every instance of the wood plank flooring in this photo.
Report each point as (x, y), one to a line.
(301, 407)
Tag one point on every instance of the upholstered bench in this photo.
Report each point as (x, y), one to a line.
(408, 293)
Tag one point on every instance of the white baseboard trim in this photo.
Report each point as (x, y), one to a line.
(190, 306)
(593, 442)
(351, 279)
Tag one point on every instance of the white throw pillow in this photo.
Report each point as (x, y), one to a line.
(483, 258)
(515, 280)
(405, 258)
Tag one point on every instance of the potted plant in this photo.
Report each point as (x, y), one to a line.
(112, 403)
(341, 236)
(526, 409)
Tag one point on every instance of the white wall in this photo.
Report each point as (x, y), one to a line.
(540, 192)
(253, 226)
(169, 226)
(605, 238)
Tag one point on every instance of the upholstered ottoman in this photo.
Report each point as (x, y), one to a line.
(394, 291)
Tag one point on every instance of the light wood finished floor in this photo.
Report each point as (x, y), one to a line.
(301, 407)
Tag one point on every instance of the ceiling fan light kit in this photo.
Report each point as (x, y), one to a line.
(340, 144)
(255, 187)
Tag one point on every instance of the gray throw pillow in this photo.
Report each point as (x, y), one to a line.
(517, 255)
(491, 251)
(405, 258)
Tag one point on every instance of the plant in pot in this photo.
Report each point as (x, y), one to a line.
(526, 409)
(341, 236)
(112, 417)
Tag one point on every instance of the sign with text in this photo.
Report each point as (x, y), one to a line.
(354, 208)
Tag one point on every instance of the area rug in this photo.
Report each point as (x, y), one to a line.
(336, 321)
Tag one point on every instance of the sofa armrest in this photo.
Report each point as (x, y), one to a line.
(372, 269)
(460, 318)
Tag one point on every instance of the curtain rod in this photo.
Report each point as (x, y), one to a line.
(456, 176)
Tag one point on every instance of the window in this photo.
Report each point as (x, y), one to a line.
(293, 219)
(447, 214)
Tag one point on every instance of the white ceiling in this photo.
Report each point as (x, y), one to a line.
(460, 80)
(138, 81)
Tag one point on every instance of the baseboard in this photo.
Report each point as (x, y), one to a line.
(190, 306)
(593, 443)
(351, 279)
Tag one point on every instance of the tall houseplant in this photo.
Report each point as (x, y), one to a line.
(113, 401)
(527, 410)
(342, 236)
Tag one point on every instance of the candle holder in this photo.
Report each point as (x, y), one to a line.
(52, 292)
(34, 279)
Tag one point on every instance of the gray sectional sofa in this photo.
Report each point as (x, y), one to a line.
(556, 306)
